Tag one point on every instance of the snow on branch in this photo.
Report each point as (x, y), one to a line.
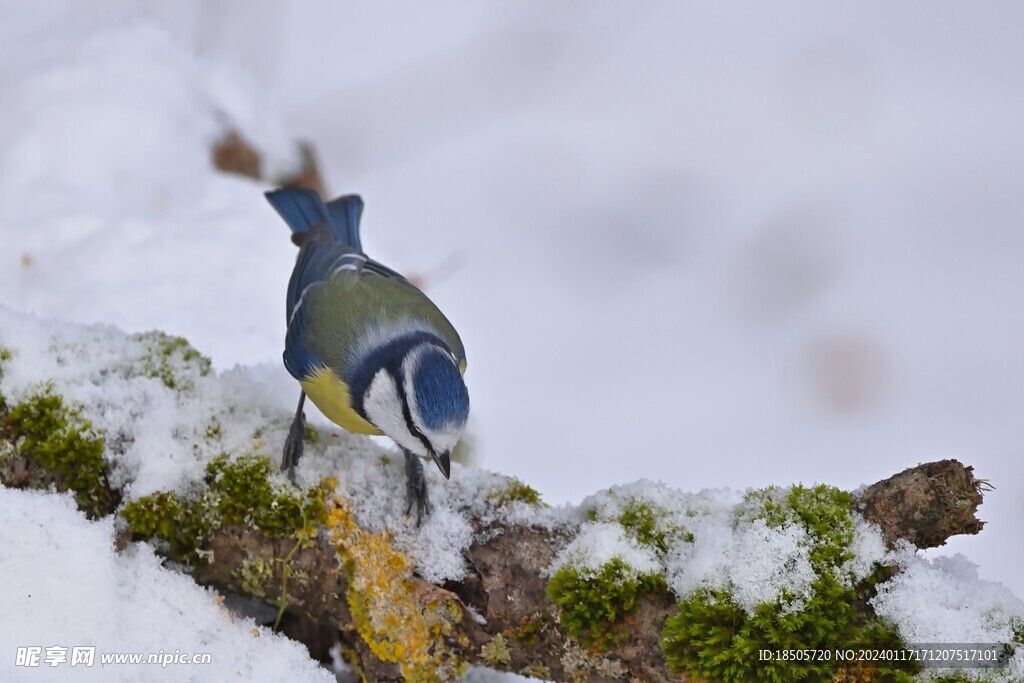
(640, 582)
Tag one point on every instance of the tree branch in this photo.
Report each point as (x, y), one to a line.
(505, 618)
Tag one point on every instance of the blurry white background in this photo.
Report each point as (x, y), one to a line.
(715, 245)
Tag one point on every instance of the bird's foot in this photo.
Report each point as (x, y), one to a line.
(416, 487)
(293, 445)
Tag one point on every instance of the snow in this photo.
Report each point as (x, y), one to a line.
(942, 600)
(597, 544)
(868, 549)
(711, 545)
(68, 587)
(686, 248)
(110, 198)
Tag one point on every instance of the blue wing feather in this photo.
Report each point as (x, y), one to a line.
(379, 268)
(313, 265)
(297, 358)
(317, 258)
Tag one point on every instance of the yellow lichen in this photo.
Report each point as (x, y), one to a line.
(580, 664)
(536, 670)
(496, 651)
(254, 574)
(401, 621)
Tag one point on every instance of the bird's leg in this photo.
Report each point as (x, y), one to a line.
(296, 438)
(415, 487)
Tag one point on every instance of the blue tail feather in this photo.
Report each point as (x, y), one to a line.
(302, 208)
(345, 213)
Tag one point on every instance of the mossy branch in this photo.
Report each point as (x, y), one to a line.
(508, 614)
(330, 582)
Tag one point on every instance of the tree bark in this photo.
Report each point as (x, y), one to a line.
(925, 504)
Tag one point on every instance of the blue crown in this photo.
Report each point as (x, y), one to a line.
(440, 392)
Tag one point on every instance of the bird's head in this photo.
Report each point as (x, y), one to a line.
(420, 401)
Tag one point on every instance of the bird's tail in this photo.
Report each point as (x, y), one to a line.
(302, 208)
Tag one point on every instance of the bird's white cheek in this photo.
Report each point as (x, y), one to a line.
(445, 440)
(384, 408)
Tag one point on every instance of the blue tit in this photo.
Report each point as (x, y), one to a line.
(369, 348)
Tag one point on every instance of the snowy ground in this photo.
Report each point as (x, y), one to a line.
(70, 589)
(719, 245)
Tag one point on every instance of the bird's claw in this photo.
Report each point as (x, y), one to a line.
(416, 488)
(293, 445)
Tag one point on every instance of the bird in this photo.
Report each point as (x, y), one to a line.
(368, 347)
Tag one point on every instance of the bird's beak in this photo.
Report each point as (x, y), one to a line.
(444, 463)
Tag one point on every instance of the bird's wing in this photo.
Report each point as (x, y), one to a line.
(299, 360)
(336, 291)
(378, 268)
(319, 258)
(382, 289)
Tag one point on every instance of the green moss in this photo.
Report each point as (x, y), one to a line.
(823, 511)
(517, 491)
(55, 445)
(594, 602)
(182, 526)
(649, 525)
(1017, 628)
(172, 360)
(641, 522)
(711, 637)
(246, 495)
(237, 491)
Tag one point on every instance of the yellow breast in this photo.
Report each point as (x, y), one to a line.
(332, 397)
